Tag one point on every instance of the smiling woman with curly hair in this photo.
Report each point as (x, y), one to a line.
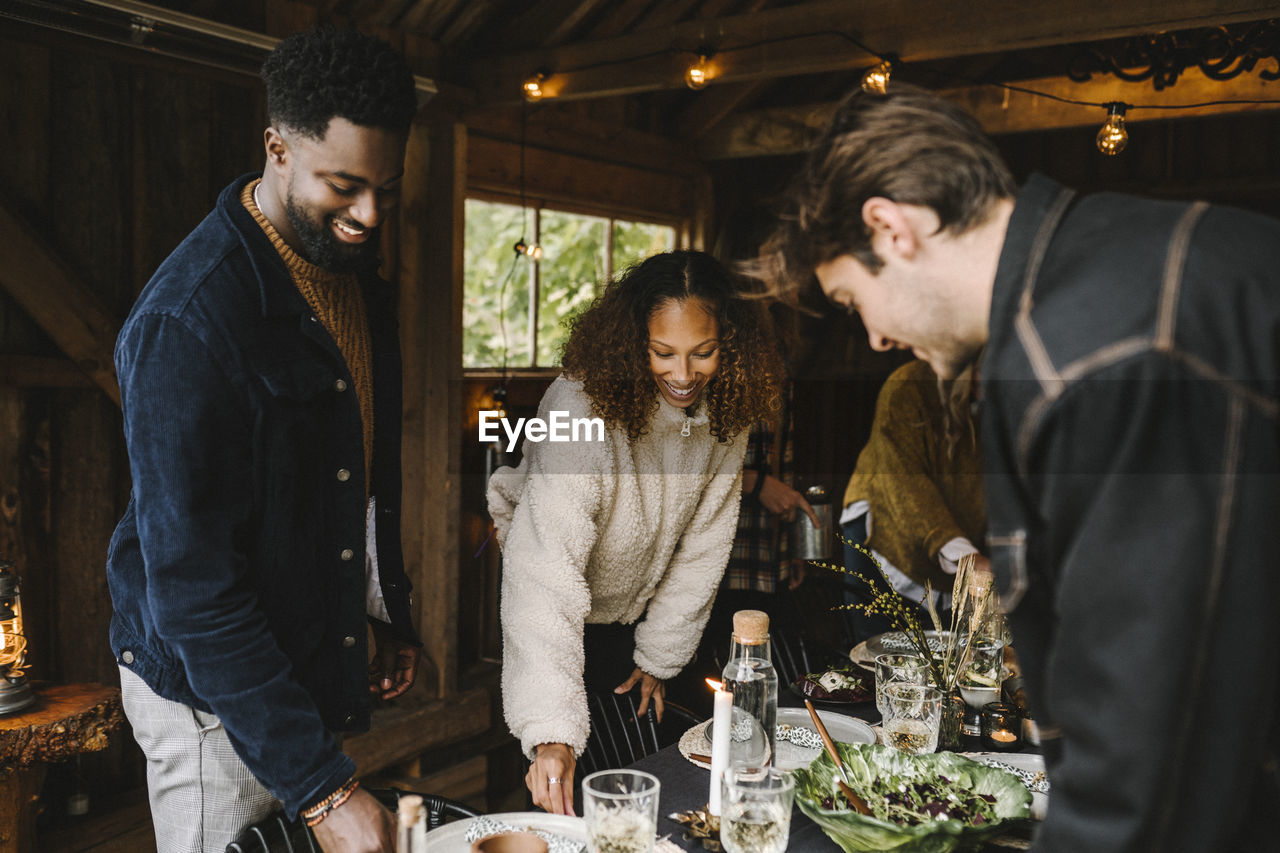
(597, 534)
(609, 345)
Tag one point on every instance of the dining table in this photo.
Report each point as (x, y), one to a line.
(685, 787)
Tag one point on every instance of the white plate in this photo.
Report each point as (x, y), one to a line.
(1026, 761)
(863, 657)
(790, 756)
(842, 728)
(451, 838)
(896, 641)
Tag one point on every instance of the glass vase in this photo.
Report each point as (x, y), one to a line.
(952, 725)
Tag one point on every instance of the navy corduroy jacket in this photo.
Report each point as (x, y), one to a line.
(237, 573)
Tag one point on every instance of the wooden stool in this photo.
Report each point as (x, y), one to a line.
(67, 720)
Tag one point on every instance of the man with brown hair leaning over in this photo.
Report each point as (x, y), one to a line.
(1130, 430)
(260, 380)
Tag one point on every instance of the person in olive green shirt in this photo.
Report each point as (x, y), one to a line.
(915, 498)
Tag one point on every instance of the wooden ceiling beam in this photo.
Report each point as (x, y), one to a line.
(556, 130)
(568, 23)
(45, 286)
(665, 14)
(714, 106)
(791, 130)
(806, 39)
(428, 16)
(548, 24)
(620, 18)
(468, 21)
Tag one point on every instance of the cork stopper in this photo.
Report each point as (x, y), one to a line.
(408, 809)
(751, 626)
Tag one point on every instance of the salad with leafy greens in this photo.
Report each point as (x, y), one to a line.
(920, 803)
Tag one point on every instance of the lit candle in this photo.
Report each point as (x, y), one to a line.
(1003, 736)
(721, 726)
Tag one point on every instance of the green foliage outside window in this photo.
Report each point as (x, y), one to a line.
(635, 241)
(575, 263)
(488, 263)
(570, 273)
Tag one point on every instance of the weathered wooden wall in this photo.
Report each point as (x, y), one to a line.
(111, 157)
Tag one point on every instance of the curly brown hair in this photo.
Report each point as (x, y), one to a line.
(607, 349)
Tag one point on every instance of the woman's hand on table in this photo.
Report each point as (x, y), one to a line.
(650, 688)
(550, 778)
(360, 825)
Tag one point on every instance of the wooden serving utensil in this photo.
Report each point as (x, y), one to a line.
(857, 803)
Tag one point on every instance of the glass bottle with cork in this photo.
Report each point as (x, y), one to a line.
(751, 677)
(411, 824)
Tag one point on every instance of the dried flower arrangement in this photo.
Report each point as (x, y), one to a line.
(973, 615)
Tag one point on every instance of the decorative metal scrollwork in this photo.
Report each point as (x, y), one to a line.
(1220, 53)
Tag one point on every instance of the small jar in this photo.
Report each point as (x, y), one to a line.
(1001, 727)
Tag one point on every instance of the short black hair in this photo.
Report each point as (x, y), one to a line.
(325, 73)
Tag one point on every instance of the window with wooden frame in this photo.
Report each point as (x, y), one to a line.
(518, 301)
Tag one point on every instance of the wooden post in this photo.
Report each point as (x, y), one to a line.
(430, 238)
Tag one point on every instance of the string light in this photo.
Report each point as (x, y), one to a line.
(876, 79)
(699, 73)
(532, 86)
(1112, 138)
(533, 251)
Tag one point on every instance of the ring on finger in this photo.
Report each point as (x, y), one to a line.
(553, 780)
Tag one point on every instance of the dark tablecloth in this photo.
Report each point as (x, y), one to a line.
(686, 786)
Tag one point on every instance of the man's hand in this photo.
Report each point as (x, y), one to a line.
(550, 778)
(394, 665)
(650, 688)
(360, 825)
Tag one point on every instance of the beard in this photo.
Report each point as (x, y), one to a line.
(325, 250)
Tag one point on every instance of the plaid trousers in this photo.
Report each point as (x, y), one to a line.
(202, 796)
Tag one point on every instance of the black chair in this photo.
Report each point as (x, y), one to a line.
(620, 737)
(790, 657)
(277, 834)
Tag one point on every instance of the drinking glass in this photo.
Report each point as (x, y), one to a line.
(912, 715)
(621, 811)
(755, 809)
(986, 663)
(894, 668)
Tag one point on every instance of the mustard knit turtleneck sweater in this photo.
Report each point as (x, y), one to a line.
(338, 304)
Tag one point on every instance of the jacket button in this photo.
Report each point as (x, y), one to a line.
(343, 475)
(347, 554)
(348, 642)
(126, 656)
(340, 385)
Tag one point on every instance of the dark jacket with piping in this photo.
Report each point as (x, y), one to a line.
(1130, 435)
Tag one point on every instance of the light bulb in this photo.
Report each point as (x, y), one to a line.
(877, 79)
(699, 73)
(1112, 138)
(534, 251)
(532, 87)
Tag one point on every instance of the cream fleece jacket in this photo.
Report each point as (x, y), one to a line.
(607, 531)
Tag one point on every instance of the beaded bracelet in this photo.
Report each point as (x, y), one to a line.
(320, 810)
